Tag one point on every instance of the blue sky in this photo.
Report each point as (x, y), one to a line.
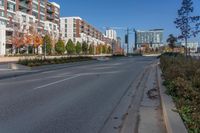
(139, 14)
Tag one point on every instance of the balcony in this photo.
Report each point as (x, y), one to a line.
(50, 10)
(50, 17)
(23, 5)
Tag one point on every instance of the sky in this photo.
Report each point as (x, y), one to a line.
(138, 14)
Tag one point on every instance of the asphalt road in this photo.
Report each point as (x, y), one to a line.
(77, 99)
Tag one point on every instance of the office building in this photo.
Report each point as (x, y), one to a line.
(152, 38)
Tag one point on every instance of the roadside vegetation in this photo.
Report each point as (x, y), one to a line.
(39, 62)
(182, 79)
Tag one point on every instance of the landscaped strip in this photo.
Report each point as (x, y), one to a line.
(39, 61)
(182, 79)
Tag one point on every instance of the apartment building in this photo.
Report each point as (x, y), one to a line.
(78, 30)
(112, 34)
(21, 14)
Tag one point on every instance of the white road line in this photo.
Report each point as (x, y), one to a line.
(59, 81)
(75, 76)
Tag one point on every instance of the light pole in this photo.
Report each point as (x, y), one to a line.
(45, 50)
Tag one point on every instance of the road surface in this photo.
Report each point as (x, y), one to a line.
(77, 99)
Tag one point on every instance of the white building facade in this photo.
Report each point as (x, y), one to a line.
(111, 34)
(78, 30)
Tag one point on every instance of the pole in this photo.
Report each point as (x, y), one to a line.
(45, 50)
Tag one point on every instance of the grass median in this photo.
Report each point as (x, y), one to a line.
(182, 79)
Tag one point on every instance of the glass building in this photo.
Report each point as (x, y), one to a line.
(153, 38)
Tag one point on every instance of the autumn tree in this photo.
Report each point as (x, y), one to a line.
(70, 47)
(189, 25)
(60, 47)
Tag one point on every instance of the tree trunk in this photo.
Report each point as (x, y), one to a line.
(186, 51)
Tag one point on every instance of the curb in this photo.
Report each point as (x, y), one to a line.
(172, 119)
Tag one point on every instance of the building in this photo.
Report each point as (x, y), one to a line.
(78, 30)
(152, 38)
(192, 46)
(112, 34)
(22, 15)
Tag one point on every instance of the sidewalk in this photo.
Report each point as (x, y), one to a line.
(150, 112)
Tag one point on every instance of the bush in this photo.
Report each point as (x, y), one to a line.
(182, 79)
(40, 62)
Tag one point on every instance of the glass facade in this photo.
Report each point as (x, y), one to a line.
(151, 37)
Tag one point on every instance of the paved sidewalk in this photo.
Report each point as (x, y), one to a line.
(150, 112)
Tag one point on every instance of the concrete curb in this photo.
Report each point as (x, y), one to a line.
(172, 119)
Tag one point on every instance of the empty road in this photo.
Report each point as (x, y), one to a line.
(77, 99)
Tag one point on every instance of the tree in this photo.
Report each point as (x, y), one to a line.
(78, 48)
(48, 42)
(172, 41)
(109, 51)
(188, 25)
(60, 47)
(104, 49)
(85, 47)
(70, 47)
(91, 49)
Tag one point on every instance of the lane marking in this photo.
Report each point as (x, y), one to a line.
(56, 82)
(75, 76)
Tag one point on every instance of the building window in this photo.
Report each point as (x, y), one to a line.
(35, 14)
(11, 6)
(24, 18)
(35, 6)
(2, 14)
(1, 2)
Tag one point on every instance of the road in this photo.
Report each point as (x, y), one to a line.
(77, 99)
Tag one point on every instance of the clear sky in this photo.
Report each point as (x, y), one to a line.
(138, 14)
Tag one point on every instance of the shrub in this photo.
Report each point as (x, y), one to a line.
(70, 47)
(182, 79)
(60, 47)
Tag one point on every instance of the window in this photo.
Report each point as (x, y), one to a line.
(2, 14)
(24, 18)
(31, 20)
(42, 17)
(11, 6)
(35, 6)
(35, 14)
(1, 2)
